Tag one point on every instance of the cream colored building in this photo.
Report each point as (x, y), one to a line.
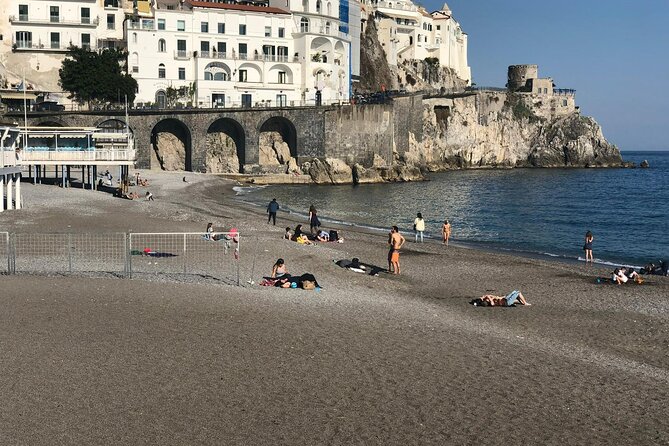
(36, 35)
(207, 54)
(409, 32)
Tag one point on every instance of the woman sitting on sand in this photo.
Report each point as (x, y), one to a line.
(297, 233)
(279, 269)
(504, 301)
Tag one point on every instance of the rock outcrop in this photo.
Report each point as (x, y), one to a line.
(463, 133)
(170, 151)
(221, 154)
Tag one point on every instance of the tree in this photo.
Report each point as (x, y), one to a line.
(96, 76)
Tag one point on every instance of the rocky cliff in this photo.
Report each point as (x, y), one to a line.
(465, 132)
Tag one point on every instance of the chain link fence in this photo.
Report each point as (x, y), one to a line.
(213, 255)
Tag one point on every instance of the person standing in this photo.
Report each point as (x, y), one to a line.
(587, 247)
(272, 209)
(419, 227)
(396, 242)
(314, 222)
(446, 232)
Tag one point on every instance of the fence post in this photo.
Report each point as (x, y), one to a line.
(130, 255)
(69, 251)
(184, 253)
(126, 260)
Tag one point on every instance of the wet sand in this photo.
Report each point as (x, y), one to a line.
(367, 360)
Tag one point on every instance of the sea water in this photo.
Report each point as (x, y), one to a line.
(533, 211)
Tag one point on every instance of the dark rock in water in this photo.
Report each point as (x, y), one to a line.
(644, 164)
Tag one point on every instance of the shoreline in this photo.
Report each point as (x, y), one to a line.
(389, 358)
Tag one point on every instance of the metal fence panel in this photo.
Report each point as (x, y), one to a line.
(214, 255)
(5, 265)
(56, 253)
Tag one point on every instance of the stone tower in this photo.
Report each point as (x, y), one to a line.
(518, 75)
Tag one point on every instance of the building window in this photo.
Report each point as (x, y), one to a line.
(161, 24)
(329, 9)
(86, 41)
(181, 48)
(429, 27)
(23, 13)
(161, 71)
(268, 31)
(111, 3)
(327, 27)
(282, 32)
(438, 27)
(181, 25)
(564, 102)
(55, 41)
(281, 100)
(304, 25)
(204, 27)
(162, 46)
(242, 75)
(282, 77)
(305, 5)
(221, 47)
(111, 21)
(85, 15)
(318, 6)
(208, 76)
(24, 39)
(54, 14)
(221, 28)
(204, 48)
(182, 74)
(242, 30)
(243, 51)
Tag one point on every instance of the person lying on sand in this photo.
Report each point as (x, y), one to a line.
(509, 300)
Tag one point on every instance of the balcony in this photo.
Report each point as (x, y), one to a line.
(29, 45)
(43, 154)
(8, 158)
(246, 56)
(183, 55)
(85, 22)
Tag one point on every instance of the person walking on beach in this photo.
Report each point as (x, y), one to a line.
(395, 241)
(446, 232)
(419, 227)
(587, 247)
(149, 196)
(272, 208)
(314, 222)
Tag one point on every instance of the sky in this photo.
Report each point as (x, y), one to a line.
(615, 53)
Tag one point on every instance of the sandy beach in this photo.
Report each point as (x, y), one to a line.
(367, 360)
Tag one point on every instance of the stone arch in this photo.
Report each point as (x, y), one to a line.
(277, 142)
(113, 125)
(51, 122)
(339, 54)
(226, 147)
(171, 142)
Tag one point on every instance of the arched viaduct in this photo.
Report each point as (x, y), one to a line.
(303, 129)
(354, 133)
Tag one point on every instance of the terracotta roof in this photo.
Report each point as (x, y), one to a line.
(235, 7)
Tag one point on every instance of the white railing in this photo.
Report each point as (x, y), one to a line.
(28, 156)
(9, 158)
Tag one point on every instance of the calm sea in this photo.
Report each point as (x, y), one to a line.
(533, 211)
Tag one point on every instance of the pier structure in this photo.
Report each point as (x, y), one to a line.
(10, 170)
(62, 149)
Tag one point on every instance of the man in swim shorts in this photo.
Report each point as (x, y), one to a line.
(395, 241)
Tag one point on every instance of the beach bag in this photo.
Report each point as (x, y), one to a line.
(334, 236)
(308, 285)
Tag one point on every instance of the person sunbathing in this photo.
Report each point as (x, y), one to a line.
(505, 301)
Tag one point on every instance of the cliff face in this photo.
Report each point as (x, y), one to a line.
(466, 133)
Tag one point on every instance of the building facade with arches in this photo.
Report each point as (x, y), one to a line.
(219, 55)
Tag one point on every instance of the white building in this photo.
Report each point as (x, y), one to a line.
(10, 170)
(409, 32)
(211, 54)
(36, 34)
